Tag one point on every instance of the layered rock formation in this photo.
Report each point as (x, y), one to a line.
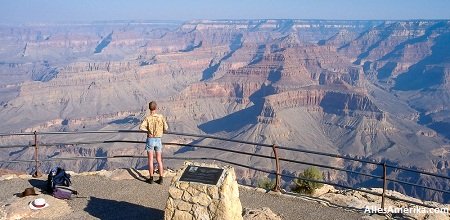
(412, 59)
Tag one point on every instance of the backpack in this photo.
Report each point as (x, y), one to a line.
(57, 177)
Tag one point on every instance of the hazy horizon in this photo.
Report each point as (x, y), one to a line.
(53, 11)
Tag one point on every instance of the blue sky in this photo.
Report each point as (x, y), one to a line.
(32, 11)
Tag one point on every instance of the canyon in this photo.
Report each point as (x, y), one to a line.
(377, 90)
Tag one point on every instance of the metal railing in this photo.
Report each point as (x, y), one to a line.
(273, 147)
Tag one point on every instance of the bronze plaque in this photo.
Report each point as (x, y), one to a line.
(206, 175)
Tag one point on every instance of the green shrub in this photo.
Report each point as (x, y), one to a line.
(266, 183)
(305, 186)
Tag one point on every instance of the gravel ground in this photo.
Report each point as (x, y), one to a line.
(102, 198)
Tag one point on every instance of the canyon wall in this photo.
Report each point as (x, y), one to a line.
(377, 90)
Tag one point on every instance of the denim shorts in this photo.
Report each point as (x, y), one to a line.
(153, 144)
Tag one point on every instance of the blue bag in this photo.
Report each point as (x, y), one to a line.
(57, 177)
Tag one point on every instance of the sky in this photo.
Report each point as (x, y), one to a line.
(38, 11)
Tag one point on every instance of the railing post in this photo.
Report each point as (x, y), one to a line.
(36, 158)
(276, 188)
(384, 186)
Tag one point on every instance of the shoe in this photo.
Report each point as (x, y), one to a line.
(149, 180)
(160, 180)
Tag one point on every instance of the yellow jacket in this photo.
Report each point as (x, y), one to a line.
(155, 125)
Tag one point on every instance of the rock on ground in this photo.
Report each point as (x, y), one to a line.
(260, 214)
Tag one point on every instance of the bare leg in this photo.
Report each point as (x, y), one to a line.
(160, 164)
(150, 162)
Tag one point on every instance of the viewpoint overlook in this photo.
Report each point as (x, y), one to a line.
(375, 90)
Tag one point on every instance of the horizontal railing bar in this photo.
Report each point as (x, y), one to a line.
(16, 161)
(181, 158)
(137, 131)
(14, 146)
(418, 171)
(90, 142)
(220, 138)
(329, 155)
(207, 147)
(16, 134)
(90, 132)
(222, 149)
(224, 161)
(413, 184)
(330, 167)
(91, 158)
(166, 143)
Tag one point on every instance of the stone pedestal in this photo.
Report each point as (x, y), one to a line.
(192, 200)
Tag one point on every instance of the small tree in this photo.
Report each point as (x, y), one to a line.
(266, 183)
(305, 186)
